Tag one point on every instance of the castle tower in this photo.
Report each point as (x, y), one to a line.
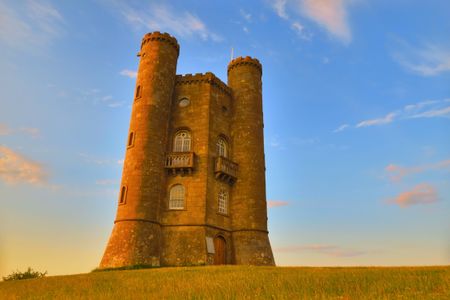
(136, 235)
(249, 209)
(193, 181)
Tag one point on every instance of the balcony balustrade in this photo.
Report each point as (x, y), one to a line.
(225, 169)
(180, 162)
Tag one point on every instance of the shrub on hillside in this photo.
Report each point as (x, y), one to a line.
(30, 273)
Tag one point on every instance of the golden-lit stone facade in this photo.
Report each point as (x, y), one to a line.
(193, 182)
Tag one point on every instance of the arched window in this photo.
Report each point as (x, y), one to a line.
(182, 141)
(176, 197)
(222, 147)
(223, 201)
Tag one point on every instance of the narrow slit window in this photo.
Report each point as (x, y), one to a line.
(123, 195)
(138, 91)
(130, 139)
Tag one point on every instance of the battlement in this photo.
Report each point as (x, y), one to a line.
(240, 61)
(162, 37)
(207, 77)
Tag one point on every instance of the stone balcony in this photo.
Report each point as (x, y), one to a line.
(225, 169)
(180, 162)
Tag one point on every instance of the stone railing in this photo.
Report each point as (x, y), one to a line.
(180, 161)
(226, 169)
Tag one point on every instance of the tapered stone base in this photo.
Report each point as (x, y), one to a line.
(133, 243)
(252, 248)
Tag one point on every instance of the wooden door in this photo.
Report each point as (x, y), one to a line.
(220, 251)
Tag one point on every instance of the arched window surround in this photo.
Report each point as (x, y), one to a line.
(177, 197)
(182, 141)
(222, 146)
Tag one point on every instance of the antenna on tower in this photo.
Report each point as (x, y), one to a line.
(232, 53)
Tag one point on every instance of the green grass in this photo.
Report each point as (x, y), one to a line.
(240, 282)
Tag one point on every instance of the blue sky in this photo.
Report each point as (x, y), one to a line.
(356, 110)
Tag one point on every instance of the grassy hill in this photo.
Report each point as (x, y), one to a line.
(240, 282)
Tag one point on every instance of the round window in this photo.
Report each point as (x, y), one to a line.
(183, 102)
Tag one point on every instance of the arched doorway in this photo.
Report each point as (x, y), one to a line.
(220, 257)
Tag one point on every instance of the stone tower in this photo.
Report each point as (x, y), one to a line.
(193, 181)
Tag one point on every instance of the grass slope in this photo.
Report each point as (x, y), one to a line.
(240, 282)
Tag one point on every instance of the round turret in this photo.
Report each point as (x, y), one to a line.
(136, 235)
(249, 210)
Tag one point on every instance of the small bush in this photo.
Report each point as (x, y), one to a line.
(30, 273)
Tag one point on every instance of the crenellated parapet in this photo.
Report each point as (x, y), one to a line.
(242, 61)
(207, 77)
(160, 37)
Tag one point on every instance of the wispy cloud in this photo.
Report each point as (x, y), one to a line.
(423, 193)
(280, 8)
(91, 159)
(397, 173)
(277, 203)
(29, 24)
(16, 168)
(96, 96)
(424, 109)
(128, 73)
(31, 131)
(341, 128)
(380, 121)
(332, 15)
(245, 15)
(329, 250)
(426, 60)
(107, 182)
(162, 17)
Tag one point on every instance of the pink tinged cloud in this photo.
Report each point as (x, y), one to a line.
(277, 203)
(422, 193)
(15, 168)
(329, 250)
(385, 120)
(397, 173)
(330, 14)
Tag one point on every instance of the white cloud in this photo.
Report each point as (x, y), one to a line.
(15, 168)
(29, 25)
(423, 109)
(423, 193)
(341, 128)
(245, 15)
(128, 73)
(380, 121)
(280, 8)
(159, 17)
(428, 60)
